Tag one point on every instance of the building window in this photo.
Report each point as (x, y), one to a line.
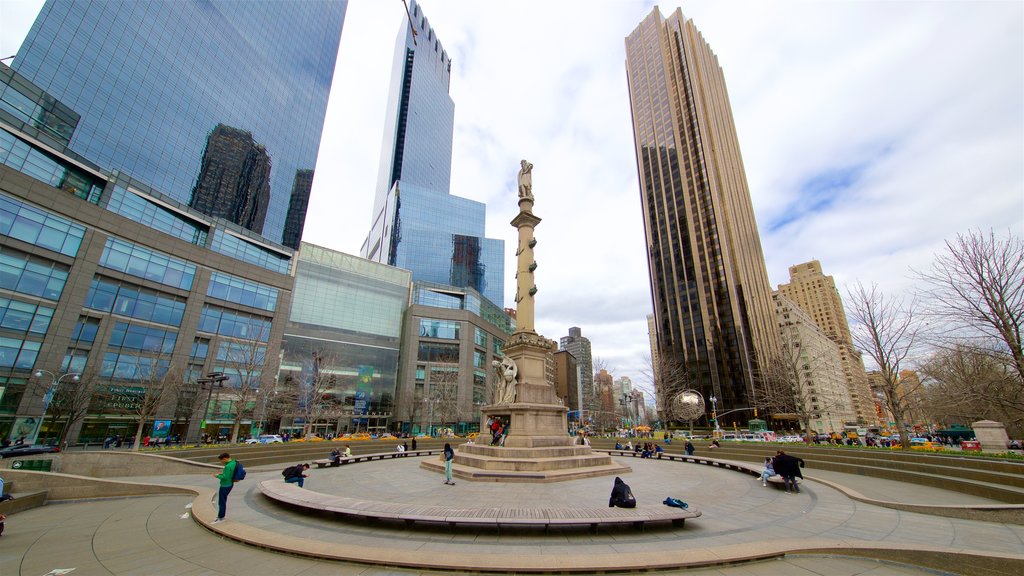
(35, 163)
(30, 224)
(74, 360)
(479, 337)
(216, 320)
(18, 354)
(25, 274)
(440, 353)
(135, 207)
(85, 330)
(245, 251)
(144, 338)
(133, 367)
(241, 291)
(134, 302)
(24, 317)
(479, 359)
(145, 263)
(446, 329)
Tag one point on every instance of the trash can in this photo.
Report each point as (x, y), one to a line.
(970, 446)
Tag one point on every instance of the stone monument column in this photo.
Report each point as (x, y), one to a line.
(537, 447)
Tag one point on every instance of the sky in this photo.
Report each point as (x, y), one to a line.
(870, 131)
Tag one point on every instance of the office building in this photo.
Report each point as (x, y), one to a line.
(153, 81)
(416, 223)
(816, 294)
(709, 286)
(450, 338)
(579, 346)
(811, 386)
(341, 344)
(119, 296)
(567, 382)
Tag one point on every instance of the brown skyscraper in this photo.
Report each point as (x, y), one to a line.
(712, 300)
(234, 178)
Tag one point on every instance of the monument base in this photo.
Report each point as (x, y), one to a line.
(536, 449)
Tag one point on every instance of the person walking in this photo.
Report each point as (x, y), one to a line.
(296, 474)
(789, 468)
(689, 448)
(227, 482)
(414, 443)
(449, 456)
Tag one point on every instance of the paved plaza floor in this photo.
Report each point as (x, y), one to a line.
(157, 535)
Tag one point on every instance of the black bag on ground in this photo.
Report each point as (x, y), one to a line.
(621, 496)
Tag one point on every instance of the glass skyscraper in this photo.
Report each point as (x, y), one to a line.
(158, 85)
(417, 224)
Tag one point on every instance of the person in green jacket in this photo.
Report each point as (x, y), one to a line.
(227, 482)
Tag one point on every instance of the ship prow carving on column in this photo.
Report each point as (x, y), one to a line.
(538, 447)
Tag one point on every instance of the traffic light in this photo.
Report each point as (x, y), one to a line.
(755, 412)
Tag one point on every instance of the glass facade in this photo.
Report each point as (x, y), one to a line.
(346, 322)
(42, 166)
(217, 320)
(439, 296)
(18, 354)
(24, 317)
(242, 291)
(417, 224)
(447, 329)
(35, 226)
(128, 300)
(142, 262)
(151, 81)
(131, 205)
(440, 239)
(246, 251)
(27, 274)
(343, 292)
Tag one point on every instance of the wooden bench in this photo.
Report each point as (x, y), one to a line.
(341, 506)
(327, 462)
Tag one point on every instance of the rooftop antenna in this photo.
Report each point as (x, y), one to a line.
(411, 27)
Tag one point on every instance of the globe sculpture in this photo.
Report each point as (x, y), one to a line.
(688, 405)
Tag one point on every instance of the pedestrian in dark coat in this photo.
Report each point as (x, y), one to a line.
(789, 468)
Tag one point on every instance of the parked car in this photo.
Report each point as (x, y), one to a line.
(27, 450)
(265, 439)
(791, 439)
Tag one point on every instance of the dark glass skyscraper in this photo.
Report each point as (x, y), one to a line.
(712, 301)
(152, 80)
(417, 224)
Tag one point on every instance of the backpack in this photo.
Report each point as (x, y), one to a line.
(290, 472)
(239, 472)
(675, 502)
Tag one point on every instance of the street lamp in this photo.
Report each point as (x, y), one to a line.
(54, 383)
(714, 413)
(430, 418)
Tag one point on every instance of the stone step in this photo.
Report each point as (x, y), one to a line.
(532, 464)
(561, 475)
(508, 452)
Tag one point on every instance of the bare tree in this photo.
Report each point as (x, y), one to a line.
(153, 382)
(886, 329)
(312, 388)
(670, 376)
(966, 384)
(69, 403)
(444, 393)
(800, 379)
(978, 284)
(246, 360)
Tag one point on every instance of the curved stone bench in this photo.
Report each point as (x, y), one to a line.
(292, 495)
(327, 462)
(1006, 513)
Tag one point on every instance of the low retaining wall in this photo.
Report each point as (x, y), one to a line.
(110, 464)
(70, 487)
